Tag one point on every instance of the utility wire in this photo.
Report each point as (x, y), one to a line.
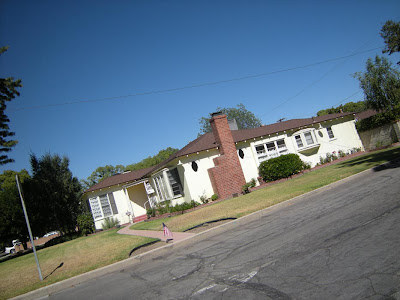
(322, 77)
(196, 85)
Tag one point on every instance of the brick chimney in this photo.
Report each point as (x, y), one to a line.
(227, 176)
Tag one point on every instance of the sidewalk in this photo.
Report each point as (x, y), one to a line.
(176, 236)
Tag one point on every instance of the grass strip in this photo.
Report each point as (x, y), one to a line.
(271, 195)
(19, 275)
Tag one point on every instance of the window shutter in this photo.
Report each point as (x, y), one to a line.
(112, 203)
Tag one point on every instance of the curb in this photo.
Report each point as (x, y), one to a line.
(158, 252)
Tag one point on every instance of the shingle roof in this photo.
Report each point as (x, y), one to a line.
(120, 179)
(207, 142)
(366, 114)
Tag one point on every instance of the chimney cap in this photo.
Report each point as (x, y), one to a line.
(217, 113)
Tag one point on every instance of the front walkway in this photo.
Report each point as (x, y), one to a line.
(176, 236)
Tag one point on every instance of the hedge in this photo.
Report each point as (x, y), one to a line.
(281, 167)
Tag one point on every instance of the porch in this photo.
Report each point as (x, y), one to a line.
(139, 196)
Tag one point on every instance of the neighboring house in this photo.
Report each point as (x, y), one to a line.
(219, 162)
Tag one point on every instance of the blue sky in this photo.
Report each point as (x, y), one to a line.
(79, 51)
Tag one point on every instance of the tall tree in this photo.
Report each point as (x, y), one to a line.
(381, 84)
(8, 91)
(245, 119)
(52, 194)
(12, 220)
(100, 174)
(391, 35)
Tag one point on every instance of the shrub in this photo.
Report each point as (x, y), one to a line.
(85, 223)
(214, 197)
(342, 153)
(334, 156)
(281, 167)
(151, 212)
(203, 199)
(109, 223)
(248, 185)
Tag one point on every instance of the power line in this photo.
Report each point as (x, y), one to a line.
(319, 79)
(196, 85)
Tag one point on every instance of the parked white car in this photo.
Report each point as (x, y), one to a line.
(12, 249)
(50, 233)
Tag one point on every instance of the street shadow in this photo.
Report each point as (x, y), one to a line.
(389, 160)
(389, 165)
(59, 266)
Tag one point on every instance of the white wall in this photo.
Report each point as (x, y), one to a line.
(120, 201)
(198, 183)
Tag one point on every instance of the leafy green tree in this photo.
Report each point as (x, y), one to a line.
(391, 35)
(348, 107)
(100, 174)
(245, 119)
(52, 195)
(8, 91)
(381, 84)
(12, 219)
(152, 160)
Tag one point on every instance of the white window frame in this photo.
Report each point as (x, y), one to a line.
(303, 139)
(264, 154)
(96, 207)
(164, 185)
(160, 186)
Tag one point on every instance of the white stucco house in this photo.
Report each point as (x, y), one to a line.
(219, 162)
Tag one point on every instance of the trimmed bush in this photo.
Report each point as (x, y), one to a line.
(85, 223)
(281, 167)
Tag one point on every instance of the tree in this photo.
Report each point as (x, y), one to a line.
(52, 195)
(100, 174)
(8, 91)
(358, 106)
(391, 35)
(152, 160)
(244, 118)
(381, 84)
(12, 219)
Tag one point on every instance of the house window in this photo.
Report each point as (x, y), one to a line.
(261, 153)
(175, 182)
(95, 208)
(241, 153)
(270, 150)
(330, 132)
(299, 141)
(160, 187)
(103, 206)
(309, 138)
(281, 146)
(306, 140)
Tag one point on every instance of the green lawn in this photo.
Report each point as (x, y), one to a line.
(19, 275)
(268, 196)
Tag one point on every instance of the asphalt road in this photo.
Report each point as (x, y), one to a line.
(338, 243)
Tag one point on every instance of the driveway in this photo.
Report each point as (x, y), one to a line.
(341, 242)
